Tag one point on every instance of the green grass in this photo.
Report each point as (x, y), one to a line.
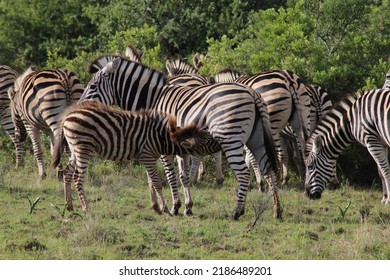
(122, 225)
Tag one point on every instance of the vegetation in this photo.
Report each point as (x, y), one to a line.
(122, 225)
(342, 45)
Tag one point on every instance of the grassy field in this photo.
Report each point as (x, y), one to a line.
(122, 225)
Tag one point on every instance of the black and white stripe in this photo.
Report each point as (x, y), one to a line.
(92, 127)
(233, 114)
(37, 100)
(365, 119)
(288, 102)
(7, 79)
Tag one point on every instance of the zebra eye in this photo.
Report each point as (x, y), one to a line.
(310, 167)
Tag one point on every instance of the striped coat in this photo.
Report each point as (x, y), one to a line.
(38, 100)
(233, 114)
(7, 79)
(92, 127)
(365, 119)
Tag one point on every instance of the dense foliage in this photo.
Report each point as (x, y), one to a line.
(342, 45)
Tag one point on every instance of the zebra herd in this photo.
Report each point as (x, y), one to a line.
(250, 118)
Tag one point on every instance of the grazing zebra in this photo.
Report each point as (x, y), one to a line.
(92, 127)
(320, 105)
(36, 102)
(386, 85)
(287, 101)
(365, 119)
(7, 79)
(233, 114)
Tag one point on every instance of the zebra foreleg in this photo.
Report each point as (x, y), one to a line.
(197, 169)
(218, 168)
(169, 169)
(183, 162)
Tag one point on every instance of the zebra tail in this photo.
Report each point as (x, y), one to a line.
(269, 142)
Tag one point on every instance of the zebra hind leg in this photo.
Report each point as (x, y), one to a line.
(169, 169)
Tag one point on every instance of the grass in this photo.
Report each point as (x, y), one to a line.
(122, 225)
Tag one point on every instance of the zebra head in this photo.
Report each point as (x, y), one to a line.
(194, 140)
(319, 169)
(102, 86)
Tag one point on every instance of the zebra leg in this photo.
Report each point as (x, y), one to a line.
(67, 177)
(82, 157)
(218, 168)
(35, 138)
(153, 196)
(154, 180)
(380, 154)
(59, 167)
(251, 162)
(183, 162)
(234, 152)
(283, 159)
(169, 169)
(263, 155)
(197, 170)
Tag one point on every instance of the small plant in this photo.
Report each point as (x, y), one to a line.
(259, 205)
(364, 212)
(62, 211)
(343, 212)
(33, 204)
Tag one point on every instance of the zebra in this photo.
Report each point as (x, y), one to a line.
(233, 114)
(179, 66)
(92, 127)
(132, 54)
(364, 119)
(7, 79)
(36, 102)
(287, 101)
(386, 85)
(178, 76)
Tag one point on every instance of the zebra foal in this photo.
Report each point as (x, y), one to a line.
(365, 119)
(92, 127)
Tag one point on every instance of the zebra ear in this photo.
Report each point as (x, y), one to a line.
(11, 93)
(111, 67)
(317, 144)
(168, 67)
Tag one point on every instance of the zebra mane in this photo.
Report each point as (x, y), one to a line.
(102, 61)
(340, 108)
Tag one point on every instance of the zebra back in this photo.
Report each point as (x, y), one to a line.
(227, 75)
(189, 80)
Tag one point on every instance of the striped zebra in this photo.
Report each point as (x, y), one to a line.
(386, 85)
(179, 76)
(287, 101)
(233, 114)
(320, 106)
(92, 127)
(364, 119)
(179, 66)
(7, 79)
(37, 101)
(132, 54)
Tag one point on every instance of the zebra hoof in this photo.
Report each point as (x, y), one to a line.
(277, 213)
(156, 209)
(237, 214)
(188, 212)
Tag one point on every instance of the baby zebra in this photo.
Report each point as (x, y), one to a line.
(121, 135)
